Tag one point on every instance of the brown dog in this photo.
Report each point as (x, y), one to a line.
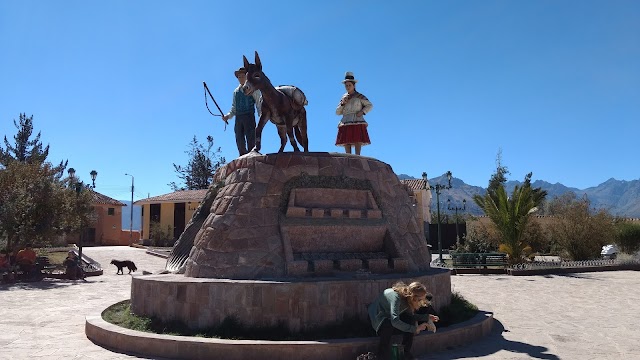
(122, 264)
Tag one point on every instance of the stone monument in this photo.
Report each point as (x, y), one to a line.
(304, 239)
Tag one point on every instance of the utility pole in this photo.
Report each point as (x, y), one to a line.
(131, 214)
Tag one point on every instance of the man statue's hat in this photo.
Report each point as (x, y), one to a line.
(241, 70)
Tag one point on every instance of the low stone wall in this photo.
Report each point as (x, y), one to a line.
(301, 305)
(183, 347)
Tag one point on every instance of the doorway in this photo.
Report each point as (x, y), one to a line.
(178, 220)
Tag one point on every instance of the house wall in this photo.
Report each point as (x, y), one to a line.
(166, 216)
(423, 199)
(124, 237)
(108, 227)
(190, 208)
(146, 210)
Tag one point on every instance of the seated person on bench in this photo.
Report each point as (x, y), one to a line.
(72, 265)
(26, 260)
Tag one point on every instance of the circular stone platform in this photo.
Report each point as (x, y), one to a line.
(185, 347)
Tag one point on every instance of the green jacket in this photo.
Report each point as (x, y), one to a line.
(390, 305)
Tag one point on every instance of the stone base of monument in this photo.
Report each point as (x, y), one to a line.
(301, 304)
(151, 345)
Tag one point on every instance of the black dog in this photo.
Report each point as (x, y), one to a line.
(122, 264)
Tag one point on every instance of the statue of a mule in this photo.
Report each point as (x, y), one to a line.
(283, 105)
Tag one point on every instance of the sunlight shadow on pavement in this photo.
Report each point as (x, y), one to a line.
(492, 344)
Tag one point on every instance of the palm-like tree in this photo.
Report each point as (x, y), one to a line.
(511, 214)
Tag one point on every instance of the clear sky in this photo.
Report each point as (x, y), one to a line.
(116, 86)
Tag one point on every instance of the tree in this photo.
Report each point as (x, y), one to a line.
(579, 230)
(510, 214)
(628, 237)
(26, 150)
(537, 237)
(500, 176)
(202, 165)
(35, 205)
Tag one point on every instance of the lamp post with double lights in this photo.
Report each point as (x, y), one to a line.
(438, 188)
(78, 185)
(131, 211)
(456, 209)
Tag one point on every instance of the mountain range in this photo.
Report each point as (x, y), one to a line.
(619, 197)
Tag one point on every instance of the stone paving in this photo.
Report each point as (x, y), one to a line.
(570, 316)
(45, 320)
(573, 316)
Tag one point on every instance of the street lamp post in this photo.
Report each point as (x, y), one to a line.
(456, 208)
(78, 187)
(438, 188)
(131, 214)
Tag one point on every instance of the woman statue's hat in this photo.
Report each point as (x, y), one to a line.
(348, 76)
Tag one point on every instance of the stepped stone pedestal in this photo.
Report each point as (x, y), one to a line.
(303, 238)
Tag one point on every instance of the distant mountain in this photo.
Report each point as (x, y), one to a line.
(405, 177)
(459, 191)
(126, 216)
(619, 197)
(553, 190)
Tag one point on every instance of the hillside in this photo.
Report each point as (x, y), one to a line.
(619, 197)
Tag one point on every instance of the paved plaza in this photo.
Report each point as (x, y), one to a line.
(573, 316)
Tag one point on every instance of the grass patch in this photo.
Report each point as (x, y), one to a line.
(120, 314)
(56, 258)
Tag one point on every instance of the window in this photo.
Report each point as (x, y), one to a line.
(111, 211)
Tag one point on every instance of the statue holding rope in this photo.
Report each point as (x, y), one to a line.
(243, 109)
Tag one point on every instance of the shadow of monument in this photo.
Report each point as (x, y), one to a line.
(492, 344)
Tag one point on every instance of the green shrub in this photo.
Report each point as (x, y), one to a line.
(480, 239)
(161, 237)
(628, 237)
(579, 231)
(458, 311)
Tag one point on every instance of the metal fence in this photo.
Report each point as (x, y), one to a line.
(541, 265)
(537, 265)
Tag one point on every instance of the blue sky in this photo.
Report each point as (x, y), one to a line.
(116, 86)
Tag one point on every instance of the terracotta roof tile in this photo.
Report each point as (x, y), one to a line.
(105, 200)
(414, 184)
(178, 196)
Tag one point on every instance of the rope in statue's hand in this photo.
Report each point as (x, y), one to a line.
(206, 91)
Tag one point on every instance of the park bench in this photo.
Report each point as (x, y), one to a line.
(44, 265)
(41, 269)
(478, 260)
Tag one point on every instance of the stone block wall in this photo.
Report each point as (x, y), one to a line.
(202, 302)
(242, 239)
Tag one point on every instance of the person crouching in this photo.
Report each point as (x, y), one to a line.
(394, 312)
